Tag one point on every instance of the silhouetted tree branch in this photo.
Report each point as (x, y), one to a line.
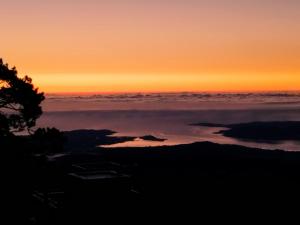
(19, 101)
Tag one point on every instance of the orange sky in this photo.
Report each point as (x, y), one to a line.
(136, 45)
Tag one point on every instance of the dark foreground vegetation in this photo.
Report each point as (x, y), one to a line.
(196, 183)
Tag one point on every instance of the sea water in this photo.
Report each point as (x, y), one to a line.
(170, 115)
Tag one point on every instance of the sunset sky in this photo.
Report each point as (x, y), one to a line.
(157, 45)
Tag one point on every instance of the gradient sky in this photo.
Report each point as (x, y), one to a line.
(157, 45)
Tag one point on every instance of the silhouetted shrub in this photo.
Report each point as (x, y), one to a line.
(48, 140)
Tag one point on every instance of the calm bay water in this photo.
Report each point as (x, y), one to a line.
(169, 115)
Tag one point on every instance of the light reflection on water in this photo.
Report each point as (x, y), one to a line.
(191, 134)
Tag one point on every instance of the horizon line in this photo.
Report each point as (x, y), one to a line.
(165, 92)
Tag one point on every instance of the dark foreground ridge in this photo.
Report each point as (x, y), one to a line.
(260, 131)
(189, 184)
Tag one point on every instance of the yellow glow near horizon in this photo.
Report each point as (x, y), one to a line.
(164, 83)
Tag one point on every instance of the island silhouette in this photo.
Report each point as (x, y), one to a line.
(260, 131)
